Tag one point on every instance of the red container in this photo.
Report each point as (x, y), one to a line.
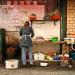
(55, 17)
(32, 17)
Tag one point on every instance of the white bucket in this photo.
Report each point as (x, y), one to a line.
(11, 64)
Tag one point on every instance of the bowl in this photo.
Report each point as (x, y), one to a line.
(43, 64)
(54, 39)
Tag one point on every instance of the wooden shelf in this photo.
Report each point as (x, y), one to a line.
(49, 42)
(47, 60)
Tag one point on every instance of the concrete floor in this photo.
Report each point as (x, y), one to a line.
(37, 70)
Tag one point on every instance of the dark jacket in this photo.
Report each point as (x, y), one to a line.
(26, 41)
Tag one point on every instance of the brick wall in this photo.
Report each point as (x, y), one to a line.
(70, 18)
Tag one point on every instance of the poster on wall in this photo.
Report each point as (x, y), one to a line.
(12, 17)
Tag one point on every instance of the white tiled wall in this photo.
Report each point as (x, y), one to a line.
(47, 29)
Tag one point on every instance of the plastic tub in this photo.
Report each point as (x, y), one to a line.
(11, 64)
(43, 64)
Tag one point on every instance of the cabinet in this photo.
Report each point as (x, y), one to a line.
(2, 43)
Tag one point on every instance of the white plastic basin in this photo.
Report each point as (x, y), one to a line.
(11, 64)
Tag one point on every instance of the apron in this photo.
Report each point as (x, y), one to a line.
(26, 37)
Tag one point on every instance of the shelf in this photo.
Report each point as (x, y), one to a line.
(45, 60)
(49, 42)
